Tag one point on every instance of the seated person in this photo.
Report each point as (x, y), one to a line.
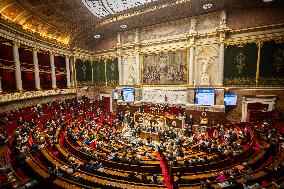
(203, 119)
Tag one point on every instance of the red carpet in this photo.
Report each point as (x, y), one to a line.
(165, 172)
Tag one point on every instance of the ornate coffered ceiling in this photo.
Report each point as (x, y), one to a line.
(70, 22)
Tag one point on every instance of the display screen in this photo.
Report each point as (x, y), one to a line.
(128, 94)
(230, 99)
(115, 95)
(205, 96)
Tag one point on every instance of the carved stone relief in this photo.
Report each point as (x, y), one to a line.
(193, 25)
(223, 19)
(128, 37)
(207, 22)
(207, 65)
(166, 30)
(162, 96)
(129, 70)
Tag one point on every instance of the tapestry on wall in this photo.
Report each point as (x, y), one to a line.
(83, 72)
(165, 68)
(271, 70)
(99, 72)
(240, 64)
(112, 72)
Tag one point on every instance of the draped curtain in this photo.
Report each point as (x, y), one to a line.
(60, 72)
(27, 69)
(7, 68)
(44, 70)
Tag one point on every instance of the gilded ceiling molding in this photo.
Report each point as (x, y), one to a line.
(241, 41)
(21, 15)
(255, 34)
(186, 37)
(259, 28)
(24, 30)
(23, 38)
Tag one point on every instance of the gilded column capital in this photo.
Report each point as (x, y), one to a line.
(35, 48)
(137, 49)
(259, 42)
(222, 37)
(118, 39)
(119, 52)
(50, 52)
(16, 43)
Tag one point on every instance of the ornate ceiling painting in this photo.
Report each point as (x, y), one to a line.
(102, 8)
(74, 23)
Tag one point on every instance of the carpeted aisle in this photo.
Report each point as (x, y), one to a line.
(165, 172)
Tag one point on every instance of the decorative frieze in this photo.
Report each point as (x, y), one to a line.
(33, 94)
(165, 96)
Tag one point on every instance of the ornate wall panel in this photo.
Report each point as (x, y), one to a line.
(206, 63)
(240, 64)
(112, 72)
(272, 63)
(129, 70)
(207, 22)
(128, 37)
(161, 96)
(165, 68)
(83, 72)
(99, 72)
(165, 30)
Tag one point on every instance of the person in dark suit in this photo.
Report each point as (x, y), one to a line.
(190, 120)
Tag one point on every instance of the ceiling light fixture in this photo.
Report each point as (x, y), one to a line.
(267, 1)
(123, 26)
(207, 6)
(97, 36)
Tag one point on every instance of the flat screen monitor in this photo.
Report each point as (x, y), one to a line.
(128, 94)
(230, 99)
(205, 96)
(115, 95)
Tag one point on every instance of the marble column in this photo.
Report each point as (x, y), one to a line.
(221, 58)
(190, 71)
(72, 60)
(221, 62)
(36, 73)
(137, 60)
(120, 67)
(18, 75)
(67, 71)
(0, 84)
(53, 76)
